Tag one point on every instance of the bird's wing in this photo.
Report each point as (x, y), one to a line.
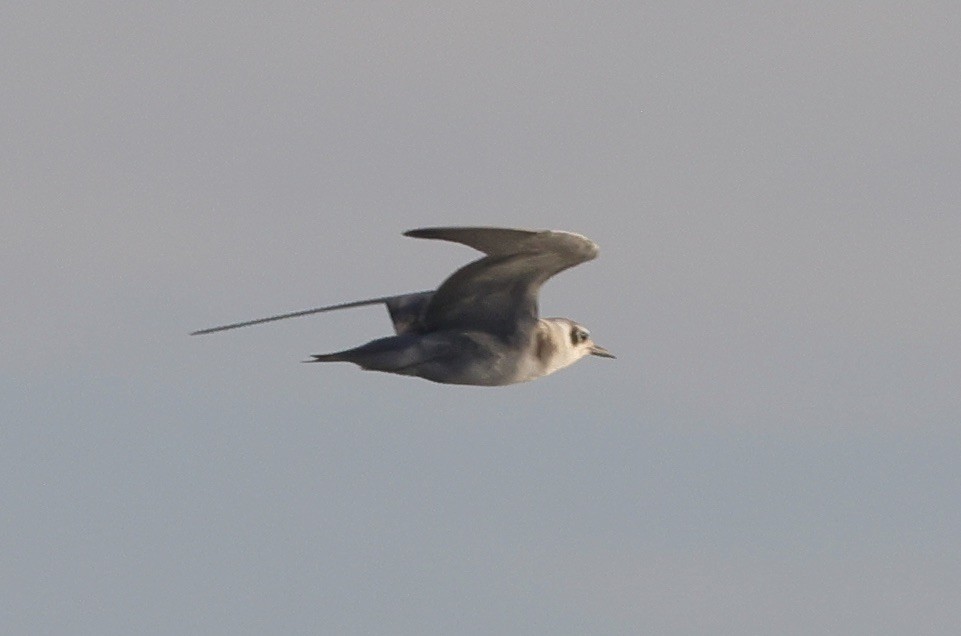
(493, 241)
(498, 293)
(406, 312)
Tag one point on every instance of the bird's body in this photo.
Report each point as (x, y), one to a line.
(464, 357)
(480, 327)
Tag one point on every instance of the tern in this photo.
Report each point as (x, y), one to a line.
(481, 326)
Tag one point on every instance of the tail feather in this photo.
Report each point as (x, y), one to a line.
(325, 357)
(393, 354)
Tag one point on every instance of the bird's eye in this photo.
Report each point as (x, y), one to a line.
(578, 336)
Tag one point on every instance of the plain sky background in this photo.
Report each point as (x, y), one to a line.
(776, 190)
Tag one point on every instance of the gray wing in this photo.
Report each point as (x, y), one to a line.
(498, 293)
(493, 241)
(406, 312)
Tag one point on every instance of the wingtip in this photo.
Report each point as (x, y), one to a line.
(421, 232)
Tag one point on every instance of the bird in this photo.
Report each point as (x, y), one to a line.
(481, 325)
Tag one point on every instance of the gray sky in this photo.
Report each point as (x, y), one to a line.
(776, 193)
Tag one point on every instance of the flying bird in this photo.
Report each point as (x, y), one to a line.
(481, 326)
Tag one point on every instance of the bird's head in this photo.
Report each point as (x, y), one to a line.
(562, 342)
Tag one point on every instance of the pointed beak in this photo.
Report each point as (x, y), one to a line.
(598, 350)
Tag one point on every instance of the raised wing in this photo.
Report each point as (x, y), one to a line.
(498, 293)
(406, 312)
(493, 241)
